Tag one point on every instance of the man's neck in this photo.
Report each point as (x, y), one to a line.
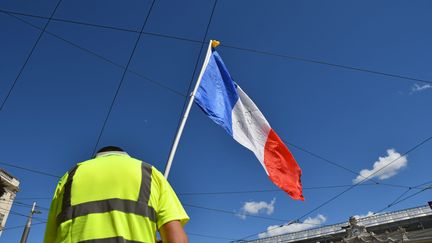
(107, 153)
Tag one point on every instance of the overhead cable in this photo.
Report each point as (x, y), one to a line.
(100, 26)
(99, 56)
(30, 205)
(122, 78)
(353, 186)
(23, 215)
(30, 170)
(240, 214)
(399, 198)
(262, 52)
(20, 226)
(208, 236)
(302, 59)
(322, 158)
(185, 103)
(278, 190)
(243, 214)
(412, 195)
(29, 55)
(166, 87)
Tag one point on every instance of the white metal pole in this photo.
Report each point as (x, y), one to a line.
(186, 113)
(28, 225)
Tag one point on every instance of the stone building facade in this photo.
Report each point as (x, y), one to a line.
(10, 184)
(409, 225)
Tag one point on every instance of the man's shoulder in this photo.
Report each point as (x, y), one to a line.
(122, 159)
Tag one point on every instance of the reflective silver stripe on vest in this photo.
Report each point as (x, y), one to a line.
(66, 203)
(146, 177)
(110, 240)
(108, 205)
(139, 207)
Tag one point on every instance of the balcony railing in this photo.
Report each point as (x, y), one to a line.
(369, 221)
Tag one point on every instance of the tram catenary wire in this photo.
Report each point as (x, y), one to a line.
(262, 52)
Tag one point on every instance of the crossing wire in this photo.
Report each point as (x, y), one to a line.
(21, 226)
(261, 52)
(351, 187)
(10, 13)
(29, 55)
(398, 199)
(23, 215)
(99, 26)
(302, 59)
(233, 213)
(304, 188)
(251, 50)
(214, 210)
(18, 200)
(193, 73)
(188, 233)
(26, 216)
(307, 60)
(33, 198)
(187, 205)
(412, 195)
(31, 205)
(122, 78)
(327, 160)
(209, 236)
(30, 170)
(240, 192)
(341, 166)
(99, 56)
(191, 206)
(241, 214)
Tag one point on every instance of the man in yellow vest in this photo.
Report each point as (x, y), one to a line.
(114, 198)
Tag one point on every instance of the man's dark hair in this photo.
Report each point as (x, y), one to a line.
(110, 148)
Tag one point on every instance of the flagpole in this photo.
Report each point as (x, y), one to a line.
(188, 108)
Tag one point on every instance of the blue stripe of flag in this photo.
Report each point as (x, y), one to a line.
(217, 93)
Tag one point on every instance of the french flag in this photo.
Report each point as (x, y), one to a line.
(227, 105)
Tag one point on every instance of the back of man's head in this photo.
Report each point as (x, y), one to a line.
(110, 149)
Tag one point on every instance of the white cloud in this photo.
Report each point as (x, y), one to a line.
(294, 227)
(384, 167)
(253, 208)
(364, 215)
(419, 88)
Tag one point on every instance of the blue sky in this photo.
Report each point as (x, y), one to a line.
(54, 114)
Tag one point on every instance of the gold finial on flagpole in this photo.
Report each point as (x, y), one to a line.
(215, 43)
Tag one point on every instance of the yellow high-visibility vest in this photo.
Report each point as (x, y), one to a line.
(110, 199)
